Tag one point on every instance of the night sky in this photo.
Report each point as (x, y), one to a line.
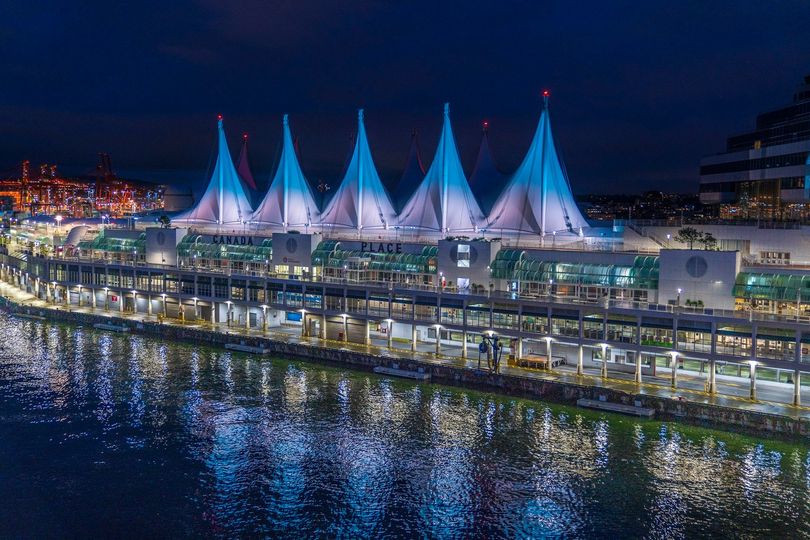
(640, 90)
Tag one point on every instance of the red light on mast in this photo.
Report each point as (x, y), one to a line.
(219, 117)
(244, 136)
(546, 93)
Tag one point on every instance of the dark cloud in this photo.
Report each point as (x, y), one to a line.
(640, 89)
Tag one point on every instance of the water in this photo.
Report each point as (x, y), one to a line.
(118, 435)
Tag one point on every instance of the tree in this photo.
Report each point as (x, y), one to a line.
(709, 241)
(689, 235)
(164, 221)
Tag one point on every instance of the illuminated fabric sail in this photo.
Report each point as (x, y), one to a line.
(289, 201)
(443, 202)
(486, 181)
(361, 201)
(243, 166)
(224, 201)
(412, 175)
(538, 198)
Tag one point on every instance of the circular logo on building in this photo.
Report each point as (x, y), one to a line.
(468, 253)
(161, 238)
(696, 266)
(292, 245)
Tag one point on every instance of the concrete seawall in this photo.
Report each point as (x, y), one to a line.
(555, 391)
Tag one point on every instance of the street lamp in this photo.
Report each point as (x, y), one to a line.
(679, 296)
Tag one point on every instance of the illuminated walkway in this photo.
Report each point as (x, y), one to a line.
(732, 392)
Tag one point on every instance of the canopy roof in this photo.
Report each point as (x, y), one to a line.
(486, 180)
(243, 166)
(225, 200)
(443, 202)
(289, 201)
(412, 175)
(538, 198)
(361, 201)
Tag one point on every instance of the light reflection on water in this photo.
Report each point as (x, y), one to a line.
(104, 434)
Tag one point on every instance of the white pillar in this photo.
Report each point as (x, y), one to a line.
(797, 388)
(604, 372)
(753, 393)
(519, 352)
(149, 305)
(390, 334)
(438, 341)
(638, 367)
(247, 317)
(121, 302)
(711, 377)
(323, 326)
(580, 356)
(368, 332)
(264, 319)
(93, 292)
(345, 329)
(674, 371)
(413, 337)
(464, 344)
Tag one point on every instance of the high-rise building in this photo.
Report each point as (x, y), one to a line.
(763, 174)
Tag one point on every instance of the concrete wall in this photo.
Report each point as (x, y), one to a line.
(708, 276)
(481, 254)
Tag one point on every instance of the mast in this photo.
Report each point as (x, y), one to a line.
(221, 179)
(445, 173)
(360, 134)
(544, 180)
(286, 128)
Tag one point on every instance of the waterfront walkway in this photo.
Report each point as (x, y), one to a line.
(773, 398)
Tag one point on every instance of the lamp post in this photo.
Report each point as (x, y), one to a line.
(678, 302)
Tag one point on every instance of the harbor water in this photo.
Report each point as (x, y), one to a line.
(105, 434)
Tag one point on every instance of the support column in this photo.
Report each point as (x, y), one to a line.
(464, 344)
(121, 302)
(390, 334)
(213, 313)
(580, 359)
(134, 302)
(413, 337)
(304, 329)
(67, 296)
(604, 372)
(149, 305)
(93, 292)
(80, 296)
(247, 317)
(638, 367)
(753, 377)
(345, 329)
(438, 341)
(548, 353)
(797, 388)
(711, 377)
(323, 326)
(264, 319)
(673, 366)
(519, 352)
(368, 333)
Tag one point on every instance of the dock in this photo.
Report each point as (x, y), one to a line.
(111, 327)
(644, 412)
(404, 373)
(240, 347)
(30, 316)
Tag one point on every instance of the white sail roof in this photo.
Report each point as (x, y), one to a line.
(289, 201)
(361, 201)
(443, 202)
(538, 198)
(225, 200)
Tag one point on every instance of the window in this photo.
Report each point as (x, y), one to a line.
(463, 258)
